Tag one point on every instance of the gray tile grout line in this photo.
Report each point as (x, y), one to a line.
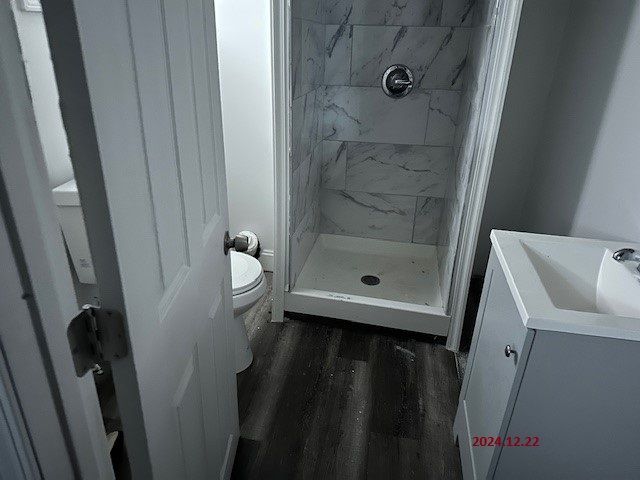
(379, 193)
(417, 89)
(389, 143)
(377, 25)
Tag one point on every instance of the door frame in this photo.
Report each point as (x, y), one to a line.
(60, 411)
(506, 30)
(507, 15)
(16, 452)
(280, 41)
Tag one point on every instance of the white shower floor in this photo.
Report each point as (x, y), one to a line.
(408, 273)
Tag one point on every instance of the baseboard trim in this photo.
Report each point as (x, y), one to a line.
(266, 259)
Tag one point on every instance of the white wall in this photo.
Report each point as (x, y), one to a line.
(538, 45)
(244, 49)
(587, 180)
(581, 174)
(35, 50)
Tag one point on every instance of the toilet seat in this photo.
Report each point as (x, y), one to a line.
(244, 301)
(246, 273)
(249, 285)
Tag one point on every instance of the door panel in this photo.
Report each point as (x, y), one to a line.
(223, 348)
(191, 424)
(156, 110)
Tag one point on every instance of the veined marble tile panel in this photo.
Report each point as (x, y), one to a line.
(398, 169)
(383, 12)
(296, 59)
(367, 114)
(316, 134)
(427, 223)
(298, 195)
(307, 56)
(464, 114)
(297, 121)
(337, 49)
(457, 13)
(445, 269)
(334, 164)
(308, 9)
(446, 246)
(301, 242)
(305, 126)
(305, 186)
(443, 113)
(435, 55)
(312, 187)
(386, 217)
(444, 228)
(448, 242)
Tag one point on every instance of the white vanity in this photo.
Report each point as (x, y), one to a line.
(552, 386)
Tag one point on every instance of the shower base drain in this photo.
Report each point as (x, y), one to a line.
(370, 280)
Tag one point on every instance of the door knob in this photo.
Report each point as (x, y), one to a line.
(239, 242)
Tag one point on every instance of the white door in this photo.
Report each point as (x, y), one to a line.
(141, 106)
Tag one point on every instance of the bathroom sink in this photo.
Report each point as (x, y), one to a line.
(571, 284)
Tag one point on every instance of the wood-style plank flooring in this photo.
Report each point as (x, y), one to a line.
(332, 400)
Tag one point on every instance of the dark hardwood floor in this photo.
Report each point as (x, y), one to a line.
(332, 400)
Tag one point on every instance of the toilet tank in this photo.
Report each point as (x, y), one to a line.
(73, 229)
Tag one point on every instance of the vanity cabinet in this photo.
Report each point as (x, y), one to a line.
(570, 402)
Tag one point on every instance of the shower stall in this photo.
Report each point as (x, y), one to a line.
(389, 108)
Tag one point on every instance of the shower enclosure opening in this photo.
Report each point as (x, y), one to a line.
(384, 105)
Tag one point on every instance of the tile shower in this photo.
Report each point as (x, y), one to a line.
(391, 172)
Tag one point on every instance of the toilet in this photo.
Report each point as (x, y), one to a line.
(249, 285)
(75, 234)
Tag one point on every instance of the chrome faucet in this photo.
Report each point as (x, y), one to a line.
(627, 254)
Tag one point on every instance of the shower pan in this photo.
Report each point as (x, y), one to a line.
(386, 121)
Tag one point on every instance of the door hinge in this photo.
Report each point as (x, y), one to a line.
(96, 335)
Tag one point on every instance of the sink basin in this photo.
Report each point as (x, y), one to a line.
(571, 284)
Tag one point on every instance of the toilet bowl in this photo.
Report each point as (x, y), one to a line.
(249, 285)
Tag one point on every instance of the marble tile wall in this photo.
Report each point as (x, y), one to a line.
(307, 101)
(384, 191)
(363, 164)
(386, 163)
(367, 114)
(370, 215)
(435, 55)
(397, 169)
